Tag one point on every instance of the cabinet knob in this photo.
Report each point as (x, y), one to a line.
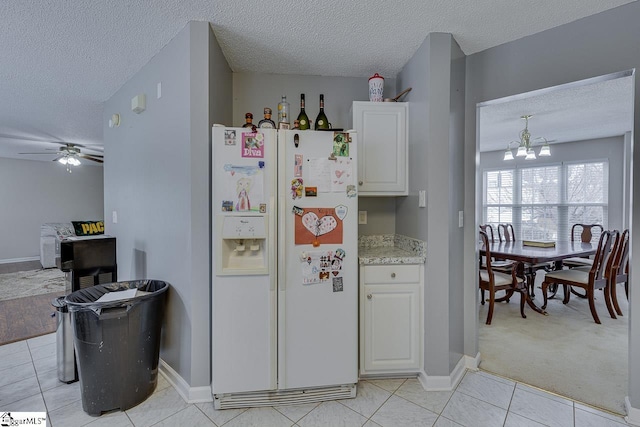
(369, 296)
(359, 182)
(393, 275)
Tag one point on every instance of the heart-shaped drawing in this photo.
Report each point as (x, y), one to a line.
(339, 173)
(318, 226)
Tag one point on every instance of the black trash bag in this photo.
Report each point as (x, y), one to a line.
(117, 343)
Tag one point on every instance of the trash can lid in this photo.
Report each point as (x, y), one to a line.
(89, 298)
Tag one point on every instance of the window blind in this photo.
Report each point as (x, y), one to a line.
(543, 202)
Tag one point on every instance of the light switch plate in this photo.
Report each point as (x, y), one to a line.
(460, 219)
(362, 217)
(422, 199)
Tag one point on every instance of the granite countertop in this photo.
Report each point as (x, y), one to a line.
(391, 249)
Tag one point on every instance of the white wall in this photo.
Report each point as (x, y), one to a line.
(34, 192)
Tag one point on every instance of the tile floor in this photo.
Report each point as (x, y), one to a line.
(28, 383)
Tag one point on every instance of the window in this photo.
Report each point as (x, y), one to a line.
(543, 202)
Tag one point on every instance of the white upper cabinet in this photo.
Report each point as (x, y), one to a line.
(382, 147)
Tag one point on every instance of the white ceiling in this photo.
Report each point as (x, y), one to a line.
(60, 60)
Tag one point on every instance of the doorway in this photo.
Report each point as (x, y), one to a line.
(585, 122)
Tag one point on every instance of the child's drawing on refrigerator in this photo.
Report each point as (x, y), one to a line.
(244, 188)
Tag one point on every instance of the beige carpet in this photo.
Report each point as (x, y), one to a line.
(565, 352)
(28, 283)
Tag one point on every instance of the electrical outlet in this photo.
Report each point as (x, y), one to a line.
(362, 217)
(114, 217)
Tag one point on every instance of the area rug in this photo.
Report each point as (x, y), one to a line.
(32, 282)
(565, 352)
(28, 317)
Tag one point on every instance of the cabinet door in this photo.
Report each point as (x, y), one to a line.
(391, 327)
(382, 148)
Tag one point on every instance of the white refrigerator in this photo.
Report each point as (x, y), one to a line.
(285, 266)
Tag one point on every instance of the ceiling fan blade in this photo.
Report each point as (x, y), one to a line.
(58, 158)
(98, 149)
(40, 153)
(89, 157)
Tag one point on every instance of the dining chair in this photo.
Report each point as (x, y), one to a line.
(589, 280)
(619, 271)
(586, 232)
(487, 228)
(506, 233)
(494, 281)
(503, 266)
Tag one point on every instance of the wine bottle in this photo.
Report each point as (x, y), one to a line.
(321, 119)
(248, 120)
(303, 119)
(267, 122)
(283, 111)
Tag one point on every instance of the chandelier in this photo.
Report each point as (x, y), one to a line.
(525, 144)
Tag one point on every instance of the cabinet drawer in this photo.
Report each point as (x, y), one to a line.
(389, 274)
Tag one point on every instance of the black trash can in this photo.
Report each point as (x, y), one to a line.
(117, 343)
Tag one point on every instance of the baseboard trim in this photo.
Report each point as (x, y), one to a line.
(472, 363)
(17, 260)
(189, 394)
(633, 414)
(445, 382)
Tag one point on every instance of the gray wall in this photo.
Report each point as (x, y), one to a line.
(611, 149)
(253, 92)
(157, 179)
(593, 46)
(436, 117)
(34, 192)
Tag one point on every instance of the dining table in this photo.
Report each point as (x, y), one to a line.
(533, 258)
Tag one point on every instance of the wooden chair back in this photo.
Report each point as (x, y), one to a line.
(484, 240)
(488, 229)
(596, 274)
(618, 271)
(587, 231)
(506, 233)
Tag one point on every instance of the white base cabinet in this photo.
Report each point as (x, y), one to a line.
(391, 319)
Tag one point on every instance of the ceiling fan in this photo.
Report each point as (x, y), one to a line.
(69, 154)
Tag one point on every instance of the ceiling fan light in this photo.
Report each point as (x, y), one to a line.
(63, 160)
(508, 155)
(73, 161)
(545, 151)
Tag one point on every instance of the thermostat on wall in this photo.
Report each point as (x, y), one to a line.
(138, 103)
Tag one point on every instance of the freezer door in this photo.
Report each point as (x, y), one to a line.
(317, 285)
(244, 269)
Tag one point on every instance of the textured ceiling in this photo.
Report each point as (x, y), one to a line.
(60, 60)
(595, 108)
